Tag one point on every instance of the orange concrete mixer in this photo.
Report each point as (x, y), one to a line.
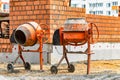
(27, 34)
(76, 32)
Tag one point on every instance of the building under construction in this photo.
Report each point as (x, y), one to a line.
(54, 13)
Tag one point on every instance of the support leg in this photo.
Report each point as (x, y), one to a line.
(20, 54)
(88, 65)
(41, 61)
(61, 60)
(67, 59)
(62, 56)
(22, 58)
(65, 54)
(41, 53)
(89, 57)
(16, 59)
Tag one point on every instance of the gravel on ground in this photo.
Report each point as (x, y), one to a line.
(100, 70)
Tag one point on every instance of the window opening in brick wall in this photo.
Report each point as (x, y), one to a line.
(5, 46)
(5, 30)
(6, 7)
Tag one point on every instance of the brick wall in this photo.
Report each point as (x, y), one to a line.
(109, 27)
(55, 12)
(51, 12)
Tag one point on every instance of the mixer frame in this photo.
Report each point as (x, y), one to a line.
(66, 37)
(27, 66)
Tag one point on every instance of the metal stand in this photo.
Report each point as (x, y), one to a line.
(75, 38)
(10, 66)
(89, 58)
(71, 68)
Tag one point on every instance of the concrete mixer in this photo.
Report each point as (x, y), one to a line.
(27, 34)
(76, 32)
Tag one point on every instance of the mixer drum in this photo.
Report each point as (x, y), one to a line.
(25, 34)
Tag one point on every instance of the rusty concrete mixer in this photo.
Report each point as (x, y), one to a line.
(27, 34)
(76, 32)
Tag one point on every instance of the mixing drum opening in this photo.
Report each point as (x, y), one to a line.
(20, 37)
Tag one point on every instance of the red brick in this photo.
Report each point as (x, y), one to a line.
(36, 2)
(23, 12)
(46, 16)
(42, 7)
(36, 12)
(32, 7)
(40, 17)
(43, 21)
(14, 18)
(47, 6)
(29, 12)
(33, 17)
(17, 3)
(30, 3)
(23, 3)
(43, 2)
(23, 8)
(36, 7)
(43, 12)
(26, 17)
(28, 7)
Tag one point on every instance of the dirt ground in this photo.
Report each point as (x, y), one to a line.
(98, 68)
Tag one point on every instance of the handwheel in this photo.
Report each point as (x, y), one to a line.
(71, 68)
(27, 66)
(54, 70)
(10, 67)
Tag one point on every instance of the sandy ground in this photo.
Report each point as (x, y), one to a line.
(100, 70)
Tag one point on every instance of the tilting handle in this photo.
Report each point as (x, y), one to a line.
(45, 32)
(91, 25)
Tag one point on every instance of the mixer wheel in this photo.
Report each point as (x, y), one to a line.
(54, 70)
(10, 67)
(27, 66)
(71, 68)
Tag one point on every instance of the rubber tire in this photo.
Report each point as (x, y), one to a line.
(10, 68)
(54, 70)
(27, 66)
(71, 68)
